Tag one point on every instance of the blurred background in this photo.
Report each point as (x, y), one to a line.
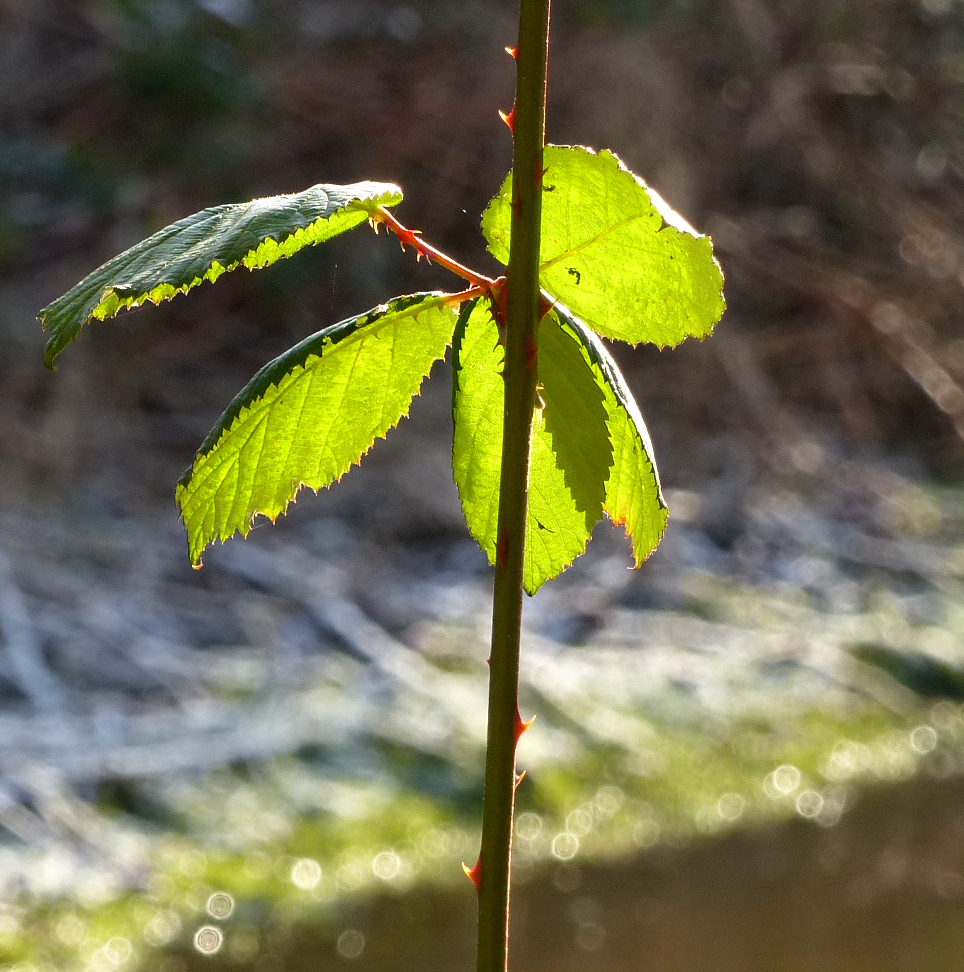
(749, 753)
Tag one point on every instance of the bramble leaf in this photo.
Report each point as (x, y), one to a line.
(309, 415)
(571, 451)
(201, 247)
(614, 253)
(633, 495)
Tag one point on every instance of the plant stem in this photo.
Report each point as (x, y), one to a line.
(520, 375)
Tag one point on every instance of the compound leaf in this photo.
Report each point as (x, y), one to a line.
(614, 253)
(309, 415)
(571, 451)
(203, 246)
(633, 495)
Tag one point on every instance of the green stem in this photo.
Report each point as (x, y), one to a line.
(520, 374)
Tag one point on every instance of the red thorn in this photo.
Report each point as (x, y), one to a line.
(407, 236)
(474, 874)
(513, 52)
(545, 305)
(500, 549)
(520, 726)
(532, 352)
(509, 119)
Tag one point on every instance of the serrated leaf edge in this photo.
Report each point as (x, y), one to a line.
(601, 358)
(369, 322)
(114, 299)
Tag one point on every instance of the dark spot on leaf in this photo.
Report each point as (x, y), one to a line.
(573, 272)
(547, 188)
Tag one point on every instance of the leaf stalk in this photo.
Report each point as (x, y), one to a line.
(412, 238)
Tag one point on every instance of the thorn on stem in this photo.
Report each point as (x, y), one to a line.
(519, 778)
(513, 52)
(521, 726)
(509, 119)
(474, 874)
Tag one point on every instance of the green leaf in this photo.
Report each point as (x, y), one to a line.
(571, 452)
(203, 246)
(634, 498)
(309, 415)
(614, 253)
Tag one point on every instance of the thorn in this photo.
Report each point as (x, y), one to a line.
(545, 305)
(474, 874)
(509, 119)
(519, 778)
(513, 52)
(520, 726)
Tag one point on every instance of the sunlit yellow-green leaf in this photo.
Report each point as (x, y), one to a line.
(571, 449)
(614, 253)
(634, 499)
(311, 414)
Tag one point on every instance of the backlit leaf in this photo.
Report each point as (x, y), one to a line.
(571, 452)
(309, 415)
(614, 253)
(633, 495)
(203, 246)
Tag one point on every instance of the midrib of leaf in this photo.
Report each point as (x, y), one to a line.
(207, 244)
(590, 242)
(272, 440)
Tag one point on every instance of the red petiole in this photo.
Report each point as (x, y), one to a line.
(412, 238)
